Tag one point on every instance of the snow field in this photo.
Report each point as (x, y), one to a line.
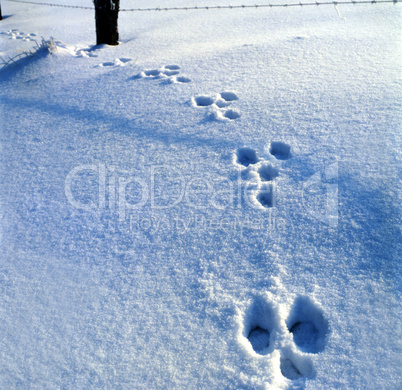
(165, 213)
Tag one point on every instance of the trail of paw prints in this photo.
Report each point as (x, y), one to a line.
(218, 105)
(303, 333)
(58, 45)
(15, 34)
(168, 73)
(261, 174)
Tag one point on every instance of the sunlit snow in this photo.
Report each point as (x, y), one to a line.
(212, 204)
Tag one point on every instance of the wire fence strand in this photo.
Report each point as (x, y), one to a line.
(217, 7)
(50, 4)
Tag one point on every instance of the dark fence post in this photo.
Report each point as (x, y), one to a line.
(106, 14)
(1, 17)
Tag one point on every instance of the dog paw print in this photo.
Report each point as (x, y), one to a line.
(246, 156)
(218, 105)
(266, 195)
(280, 150)
(179, 80)
(262, 172)
(169, 73)
(294, 366)
(260, 322)
(307, 325)
(305, 332)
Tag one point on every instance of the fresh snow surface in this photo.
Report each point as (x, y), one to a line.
(213, 204)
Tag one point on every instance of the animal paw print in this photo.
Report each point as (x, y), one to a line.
(305, 332)
(170, 73)
(280, 150)
(15, 34)
(307, 325)
(262, 172)
(218, 105)
(117, 62)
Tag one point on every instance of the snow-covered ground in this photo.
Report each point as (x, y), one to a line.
(213, 204)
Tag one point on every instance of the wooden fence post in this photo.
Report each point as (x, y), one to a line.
(106, 14)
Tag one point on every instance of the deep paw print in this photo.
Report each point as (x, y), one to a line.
(267, 172)
(304, 332)
(262, 172)
(266, 195)
(246, 156)
(259, 322)
(307, 325)
(294, 366)
(218, 105)
(169, 73)
(280, 150)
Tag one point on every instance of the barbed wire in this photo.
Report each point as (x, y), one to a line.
(286, 5)
(214, 7)
(50, 5)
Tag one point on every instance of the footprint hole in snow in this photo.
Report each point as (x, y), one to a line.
(221, 103)
(308, 326)
(280, 150)
(259, 339)
(108, 64)
(183, 80)
(171, 72)
(266, 196)
(204, 101)
(231, 114)
(246, 156)
(229, 96)
(268, 172)
(259, 322)
(289, 370)
(124, 60)
(152, 72)
(172, 67)
(294, 366)
(304, 334)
